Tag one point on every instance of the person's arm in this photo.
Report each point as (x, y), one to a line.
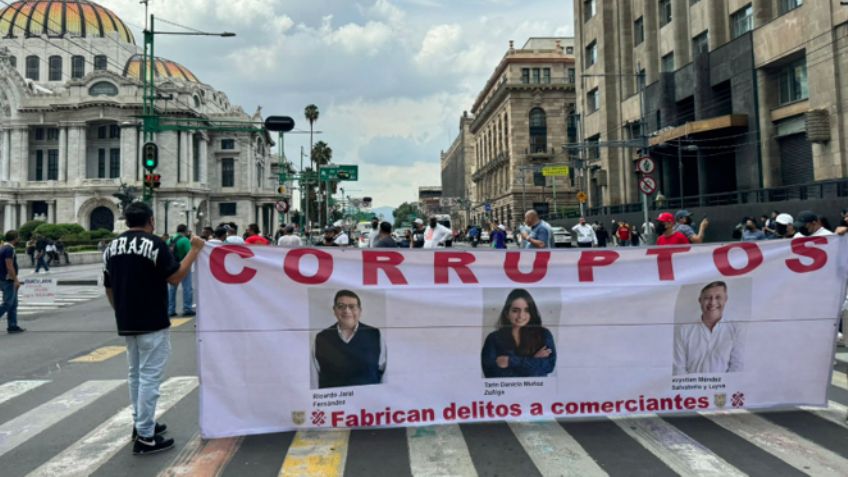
(185, 265)
(10, 271)
(316, 368)
(532, 366)
(489, 357)
(381, 364)
(702, 230)
(594, 237)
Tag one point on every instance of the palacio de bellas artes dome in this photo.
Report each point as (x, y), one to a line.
(71, 100)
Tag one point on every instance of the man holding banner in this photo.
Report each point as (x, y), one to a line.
(349, 353)
(709, 346)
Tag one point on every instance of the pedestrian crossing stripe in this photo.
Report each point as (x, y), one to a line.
(100, 354)
(177, 322)
(432, 451)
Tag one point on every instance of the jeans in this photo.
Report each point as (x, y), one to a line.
(147, 355)
(10, 303)
(41, 263)
(187, 295)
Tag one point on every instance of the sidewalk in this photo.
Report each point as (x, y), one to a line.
(70, 274)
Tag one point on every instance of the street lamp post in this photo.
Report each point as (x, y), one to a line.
(680, 149)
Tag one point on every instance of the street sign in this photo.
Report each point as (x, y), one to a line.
(648, 185)
(646, 165)
(582, 197)
(339, 173)
(549, 171)
(282, 206)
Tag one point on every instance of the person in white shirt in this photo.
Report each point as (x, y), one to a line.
(435, 233)
(711, 345)
(341, 239)
(232, 234)
(289, 239)
(585, 234)
(374, 233)
(808, 224)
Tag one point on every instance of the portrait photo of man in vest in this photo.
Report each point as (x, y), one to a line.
(349, 353)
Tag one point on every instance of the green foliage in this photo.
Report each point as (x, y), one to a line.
(406, 213)
(322, 153)
(57, 231)
(27, 229)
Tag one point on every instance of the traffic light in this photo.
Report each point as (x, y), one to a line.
(152, 180)
(281, 189)
(150, 156)
(279, 123)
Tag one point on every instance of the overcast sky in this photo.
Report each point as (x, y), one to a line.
(390, 77)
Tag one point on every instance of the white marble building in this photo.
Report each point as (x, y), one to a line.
(70, 133)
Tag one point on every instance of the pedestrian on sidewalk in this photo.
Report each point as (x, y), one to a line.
(40, 253)
(667, 233)
(10, 282)
(138, 268)
(254, 237)
(30, 250)
(498, 237)
(585, 234)
(180, 247)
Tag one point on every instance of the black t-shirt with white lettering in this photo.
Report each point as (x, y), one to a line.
(137, 267)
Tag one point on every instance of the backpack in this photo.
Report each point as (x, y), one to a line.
(172, 246)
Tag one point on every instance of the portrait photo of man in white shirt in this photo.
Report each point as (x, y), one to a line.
(712, 345)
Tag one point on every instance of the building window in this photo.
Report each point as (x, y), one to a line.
(13, 60)
(525, 75)
(668, 63)
(228, 144)
(701, 43)
(227, 208)
(792, 82)
(114, 131)
(53, 165)
(591, 53)
(32, 68)
(546, 76)
(114, 163)
(39, 165)
(54, 64)
(195, 154)
(228, 172)
(594, 147)
(538, 131)
(536, 75)
(589, 9)
(784, 6)
(101, 163)
(569, 50)
(741, 21)
(100, 62)
(665, 12)
(572, 76)
(77, 67)
(638, 31)
(52, 134)
(102, 132)
(593, 100)
(39, 134)
(103, 88)
(640, 80)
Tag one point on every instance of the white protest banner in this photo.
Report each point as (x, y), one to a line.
(338, 338)
(37, 290)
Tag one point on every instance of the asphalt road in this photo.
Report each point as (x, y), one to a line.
(59, 417)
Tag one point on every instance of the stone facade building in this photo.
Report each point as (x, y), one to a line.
(457, 165)
(519, 124)
(70, 133)
(739, 95)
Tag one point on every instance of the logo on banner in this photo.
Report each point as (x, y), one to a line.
(318, 418)
(298, 417)
(720, 399)
(738, 399)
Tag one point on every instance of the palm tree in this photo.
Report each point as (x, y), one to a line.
(322, 154)
(311, 113)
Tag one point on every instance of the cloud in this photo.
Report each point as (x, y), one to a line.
(395, 151)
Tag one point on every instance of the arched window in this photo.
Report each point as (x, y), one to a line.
(197, 101)
(32, 68)
(13, 61)
(77, 67)
(538, 131)
(55, 68)
(103, 88)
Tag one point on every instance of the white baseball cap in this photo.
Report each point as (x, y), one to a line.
(419, 221)
(784, 219)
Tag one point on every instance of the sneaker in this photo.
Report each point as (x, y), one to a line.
(15, 329)
(189, 313)
(160, 429)
(151, 445)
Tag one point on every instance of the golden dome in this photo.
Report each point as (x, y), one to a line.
(164, 69)
(58, 18)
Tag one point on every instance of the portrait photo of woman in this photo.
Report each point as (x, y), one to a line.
(520, 347)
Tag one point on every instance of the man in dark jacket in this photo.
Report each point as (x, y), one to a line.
(349, 353)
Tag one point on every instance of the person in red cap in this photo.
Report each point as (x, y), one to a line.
(666, 233)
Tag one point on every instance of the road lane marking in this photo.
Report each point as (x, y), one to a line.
(843, 357)
(835, 413)
(786, 445)
(203, 457)
(14, 389)
(175, 322)
(839, 379)
(100, 354)
(438, 451)
(98, 446)
(681, 453)
(316, 452)
(553, 450)
(20, 429)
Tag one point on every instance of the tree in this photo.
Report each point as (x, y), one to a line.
(322, 154)
(404, 211)
(311, 113)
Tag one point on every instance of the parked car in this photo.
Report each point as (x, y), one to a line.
(562, 237)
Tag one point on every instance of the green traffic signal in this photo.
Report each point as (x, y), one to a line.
(150, 156)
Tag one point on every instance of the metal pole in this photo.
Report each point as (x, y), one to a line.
(327, 201)
(167, 203)
(307, 187)
(680, 170)
(523, 190)
(553, 186)
(646, 232)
